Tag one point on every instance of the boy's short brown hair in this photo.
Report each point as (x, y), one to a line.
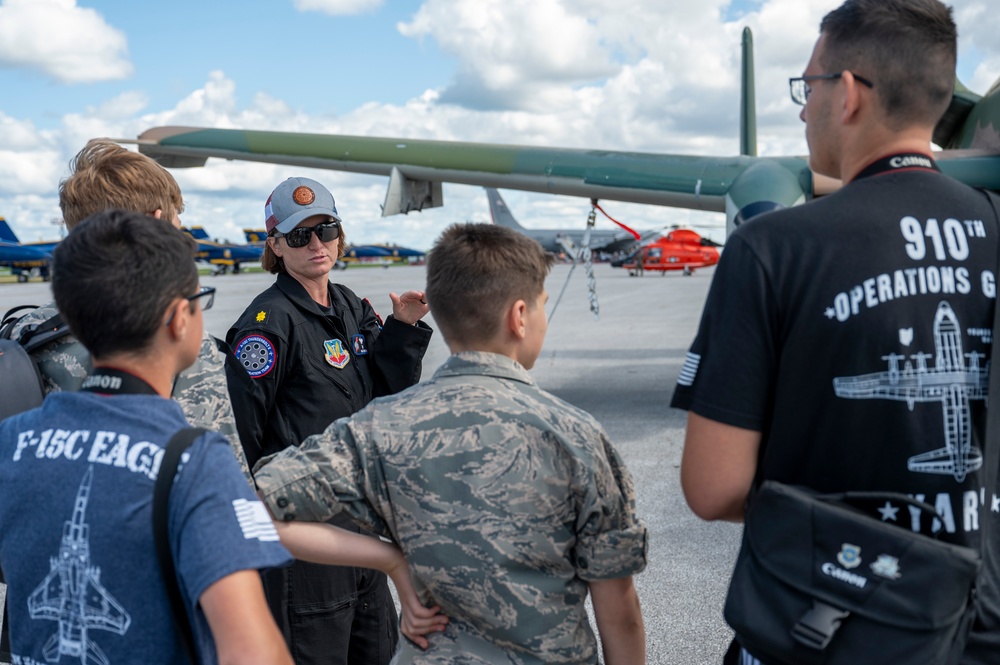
(106, 176)
(475, 272)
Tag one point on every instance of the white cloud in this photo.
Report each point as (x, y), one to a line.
(513, 53)
(65, 42)
(338, 7)
(632, 75)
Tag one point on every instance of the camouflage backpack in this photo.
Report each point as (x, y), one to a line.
(20, 381)
(21, 386)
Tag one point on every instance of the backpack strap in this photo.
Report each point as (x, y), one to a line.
(10, 320)
(35, 337)
(180, 442)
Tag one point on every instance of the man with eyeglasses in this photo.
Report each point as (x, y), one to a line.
(317, 352)
(892, 276)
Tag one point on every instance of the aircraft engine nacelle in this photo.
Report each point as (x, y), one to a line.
(785, 189)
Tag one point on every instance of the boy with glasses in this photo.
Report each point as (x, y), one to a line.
(77, 475)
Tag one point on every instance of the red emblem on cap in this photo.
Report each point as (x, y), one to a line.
(303, 195)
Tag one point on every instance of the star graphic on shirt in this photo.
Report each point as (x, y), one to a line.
(261, 315)
(888, 512)
(995, 506)
(829, 313)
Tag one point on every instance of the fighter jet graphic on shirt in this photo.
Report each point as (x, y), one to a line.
(950, 382)
(72, 593)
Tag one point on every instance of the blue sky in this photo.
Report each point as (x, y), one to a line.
(649, 75)
(267, 43)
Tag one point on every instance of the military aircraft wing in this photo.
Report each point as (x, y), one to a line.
(742, 186)
(420, 165)
(10, 253)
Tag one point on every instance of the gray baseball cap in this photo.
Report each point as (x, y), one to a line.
(295, 200)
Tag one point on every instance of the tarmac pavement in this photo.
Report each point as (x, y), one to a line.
(622, 369)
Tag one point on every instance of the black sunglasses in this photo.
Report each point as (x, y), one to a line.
(301, 236)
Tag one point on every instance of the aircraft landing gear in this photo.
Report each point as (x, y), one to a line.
(687, 271)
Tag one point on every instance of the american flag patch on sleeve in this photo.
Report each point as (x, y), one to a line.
(254, 520)
(690, 369)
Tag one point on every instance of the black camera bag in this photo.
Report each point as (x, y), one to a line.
(818, 581)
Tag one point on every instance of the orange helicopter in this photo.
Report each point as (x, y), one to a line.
(680, 249)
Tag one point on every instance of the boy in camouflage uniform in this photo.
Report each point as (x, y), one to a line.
(106, 175)
(509, 504)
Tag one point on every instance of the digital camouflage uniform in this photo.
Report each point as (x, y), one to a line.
(201, 389)
(504, 499)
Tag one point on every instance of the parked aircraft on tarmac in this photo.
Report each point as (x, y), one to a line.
(740, 186)
(223, 256)
(553, 240)
(401, 254)
(24, 260)
(255, 237)
(680, 249)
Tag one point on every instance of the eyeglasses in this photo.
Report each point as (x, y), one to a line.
(207, 293)
(799, 88)
(301, 236)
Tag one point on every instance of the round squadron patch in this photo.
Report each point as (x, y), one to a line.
(257, 355)
(303, 195)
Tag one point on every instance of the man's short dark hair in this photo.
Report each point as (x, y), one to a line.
(475, 272)
(907, 48)
(115, 275)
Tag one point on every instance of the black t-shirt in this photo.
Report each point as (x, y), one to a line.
(853, 333)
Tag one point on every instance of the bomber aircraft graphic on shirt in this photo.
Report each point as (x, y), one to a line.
(72, 593)
(950, 382)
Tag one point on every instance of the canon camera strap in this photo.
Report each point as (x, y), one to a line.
(110, 381)
(906, 161)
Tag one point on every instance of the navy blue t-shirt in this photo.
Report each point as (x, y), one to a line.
(76, 496)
